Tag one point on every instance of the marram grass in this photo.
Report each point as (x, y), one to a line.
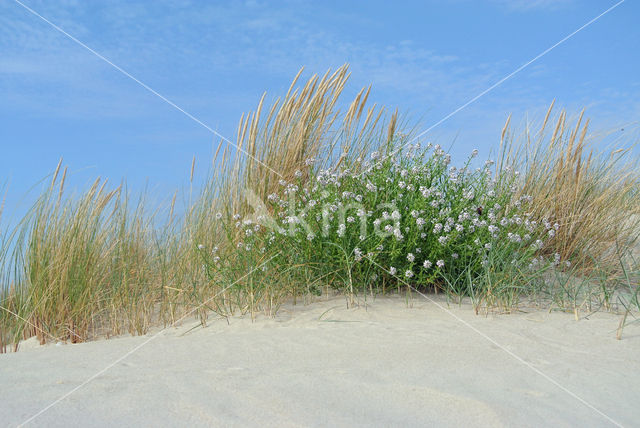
(319, 200)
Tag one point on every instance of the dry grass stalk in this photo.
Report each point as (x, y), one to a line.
(591, 194)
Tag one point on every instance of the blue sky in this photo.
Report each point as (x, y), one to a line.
(215, 59)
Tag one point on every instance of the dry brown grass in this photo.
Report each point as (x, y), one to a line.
(592, 193)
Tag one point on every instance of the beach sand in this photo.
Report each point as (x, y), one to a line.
(383, 364)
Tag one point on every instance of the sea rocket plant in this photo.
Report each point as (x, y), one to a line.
(408, 213)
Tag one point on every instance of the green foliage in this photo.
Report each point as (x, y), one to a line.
(400, 214)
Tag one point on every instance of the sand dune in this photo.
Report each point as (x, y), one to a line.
(326, 365)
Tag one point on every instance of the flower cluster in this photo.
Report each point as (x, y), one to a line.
(405, 213)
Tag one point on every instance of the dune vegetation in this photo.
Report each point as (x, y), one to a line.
(317, 200)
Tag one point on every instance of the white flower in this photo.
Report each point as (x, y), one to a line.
(440, 263)
(298, 173)
(514, 237)
(427, 264)
(200, 247)
(350, 219)
(411, 257)
(218, 216)
(393, 270)
(395, 215)
(408, 273)
(455, 255)
(341, 230)
(398, 234)
(358, 254)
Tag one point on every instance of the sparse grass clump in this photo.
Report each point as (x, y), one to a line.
(593, 193)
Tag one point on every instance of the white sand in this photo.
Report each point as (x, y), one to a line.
(388, 365)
